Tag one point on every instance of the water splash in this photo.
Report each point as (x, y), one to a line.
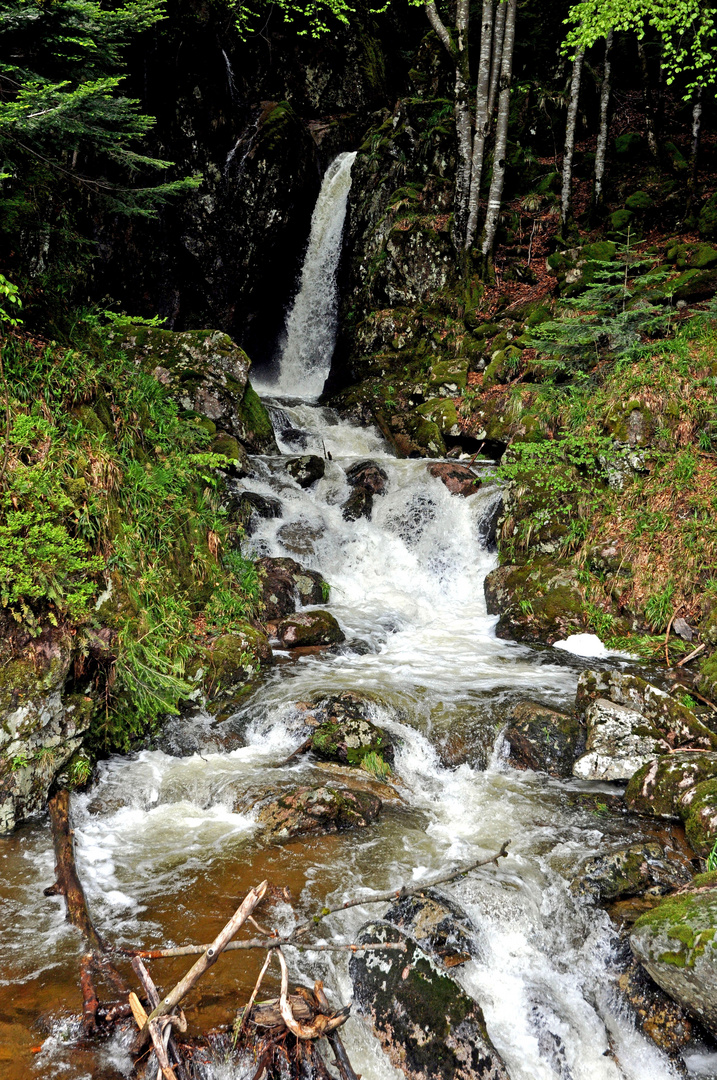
(312, 322)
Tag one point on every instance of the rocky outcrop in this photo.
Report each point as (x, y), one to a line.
(316, 811)
(543, 739)
(629, 722)
(676, 943)
(284, 582)
(309, 628)
(40, 729)
(207, 374)
(540, 601)
(429, 1027)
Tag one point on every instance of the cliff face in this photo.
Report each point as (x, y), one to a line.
(260, 122)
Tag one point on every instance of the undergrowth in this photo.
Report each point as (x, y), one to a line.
(109, 495)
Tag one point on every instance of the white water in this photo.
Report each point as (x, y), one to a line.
(160, 835)
(310, 333)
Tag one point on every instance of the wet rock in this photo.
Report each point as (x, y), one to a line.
(299, 536)
(368, 475)
(631, 871)
(659, 787)
(429, 1027)
(629, 722)
(699, 808)
(359, 504)
(306, 470)
(315, 811)
(235, 658)
(309, 628)
(350, 739)
(543, 739)
(207, 374)
(264, 506)
(438, 926)
(459, 479)
(657, 1015)
(284, 581)
(40, 729)
(540, 601)
(676, 943)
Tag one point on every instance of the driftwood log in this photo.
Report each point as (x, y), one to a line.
(96, 960)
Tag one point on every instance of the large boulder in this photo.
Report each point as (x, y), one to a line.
(660, 786)
(316, 811)
(40, 729)
(660, 1018)
(207, 374)
(284, 582)
(676, 943)
(700, 816)
(543, 739)
(539, 601)
(309, 628)
(629, 722)
(429, 1027)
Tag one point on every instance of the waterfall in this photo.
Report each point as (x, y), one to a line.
(311, 325)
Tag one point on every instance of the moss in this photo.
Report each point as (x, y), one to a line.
(704, 257)
(601, 251)
(708, 218)
(620, 220)
(629, 145)
(701, 817)
(708, 676)
(253, 414)
(639, 201)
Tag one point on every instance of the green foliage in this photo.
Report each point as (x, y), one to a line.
(312, 19)
(374, 764)
(659, 606)
(10, 302)
(687, 30)
(712, 857)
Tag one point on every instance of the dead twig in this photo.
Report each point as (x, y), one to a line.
(691, 656)
(252, 999)
(262, 943)
(341, 1057)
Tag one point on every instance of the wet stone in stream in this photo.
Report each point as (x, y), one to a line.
(313, 811)
(459, 479)
(368, 475)
(541, 738)
(285, 580)
(309, 628)
(306, 470)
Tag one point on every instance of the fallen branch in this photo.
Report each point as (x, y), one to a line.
(404, 892)
(320, 1025)
(208, 958)
(341, 1057)
(692, 655)
(262, 943)
(252, 999)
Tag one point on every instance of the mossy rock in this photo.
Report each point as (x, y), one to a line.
(428, 1026)
(503, 366)
(317, 811)
(621, 220)
(283, 582)
(629, 872)
(704, 257)
(230, 448)
(658, 789)
(693, 285)
(677, 944)
(349, 739)
(630, 145)
(309, 628)
(639, 201)
(537, 315)
(233, 659)
(708, 677)
(448, 377)
(707, 221)
(543, 739)
(540, 601)
(484, 330)
(600, 251)
(699, 808)
(90, 420)
(677, 158)
(443, 413)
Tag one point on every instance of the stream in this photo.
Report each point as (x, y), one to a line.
(168, 842)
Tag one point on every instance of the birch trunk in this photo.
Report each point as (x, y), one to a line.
(498, 35)
(482, 119)
(650, 126)
(458, 52)
(501, 133)
(601, 148)
(696, 132)
(570, 126)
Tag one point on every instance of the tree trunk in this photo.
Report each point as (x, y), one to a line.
(570, 126)
(482, 119)
(650, 125)
(464, 127)
(601, 148)
(458, 52)
(696, 140)
(501, 134)
(498, 35)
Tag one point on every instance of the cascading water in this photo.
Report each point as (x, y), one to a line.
(310, 333)
(167, 843)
